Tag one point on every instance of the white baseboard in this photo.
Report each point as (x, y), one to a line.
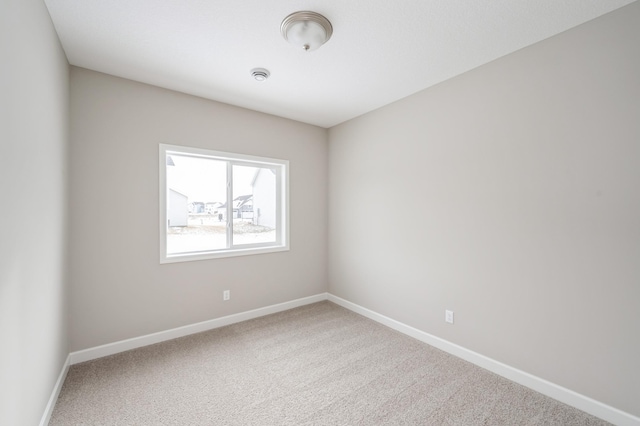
(567, 396)
(150, 339)
(48, 411)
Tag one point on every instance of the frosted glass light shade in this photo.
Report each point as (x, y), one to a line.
(307, 30)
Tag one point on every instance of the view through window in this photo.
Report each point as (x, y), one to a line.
(220, 204)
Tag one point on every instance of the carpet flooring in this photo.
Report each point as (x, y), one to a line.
(319, 364)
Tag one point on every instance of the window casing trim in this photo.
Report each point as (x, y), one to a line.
(282, 201)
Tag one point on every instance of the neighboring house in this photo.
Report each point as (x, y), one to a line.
(178, 212)
(264, 201)
(243, 207)
(212, 207)
(221, 212)
(196, 207)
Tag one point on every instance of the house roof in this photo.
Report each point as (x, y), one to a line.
(178, 192)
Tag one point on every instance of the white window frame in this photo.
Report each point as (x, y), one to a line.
(282, 196)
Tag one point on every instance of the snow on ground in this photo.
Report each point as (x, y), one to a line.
(206, 232)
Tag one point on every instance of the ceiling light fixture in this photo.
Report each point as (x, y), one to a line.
(305, 29)
(260, 74)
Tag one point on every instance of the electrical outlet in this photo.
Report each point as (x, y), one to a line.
(226, 295)
(448, 316)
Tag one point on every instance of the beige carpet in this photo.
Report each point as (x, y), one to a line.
(315, 365)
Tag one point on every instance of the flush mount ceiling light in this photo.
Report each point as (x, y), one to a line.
(308, 30)
(260, 74)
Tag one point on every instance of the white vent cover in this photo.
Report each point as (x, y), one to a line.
(260, 74)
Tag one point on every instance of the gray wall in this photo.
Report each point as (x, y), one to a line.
(34, 118)
(508, 194)
(118, 288)
(511, 195)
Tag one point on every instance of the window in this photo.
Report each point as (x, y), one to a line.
(217, 204)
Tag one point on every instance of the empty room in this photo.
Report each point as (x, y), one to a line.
(320, 213)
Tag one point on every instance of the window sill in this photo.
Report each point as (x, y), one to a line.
(219, 254)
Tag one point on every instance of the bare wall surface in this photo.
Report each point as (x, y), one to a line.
(509, 195)
(119, 289)
(34, 117)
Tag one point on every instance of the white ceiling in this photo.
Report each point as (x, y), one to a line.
(381, 50)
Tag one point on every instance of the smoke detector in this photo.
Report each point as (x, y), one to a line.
(260, 74)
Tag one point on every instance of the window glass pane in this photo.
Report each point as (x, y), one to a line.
(218, 204)
(254, 205)
(196, 204)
